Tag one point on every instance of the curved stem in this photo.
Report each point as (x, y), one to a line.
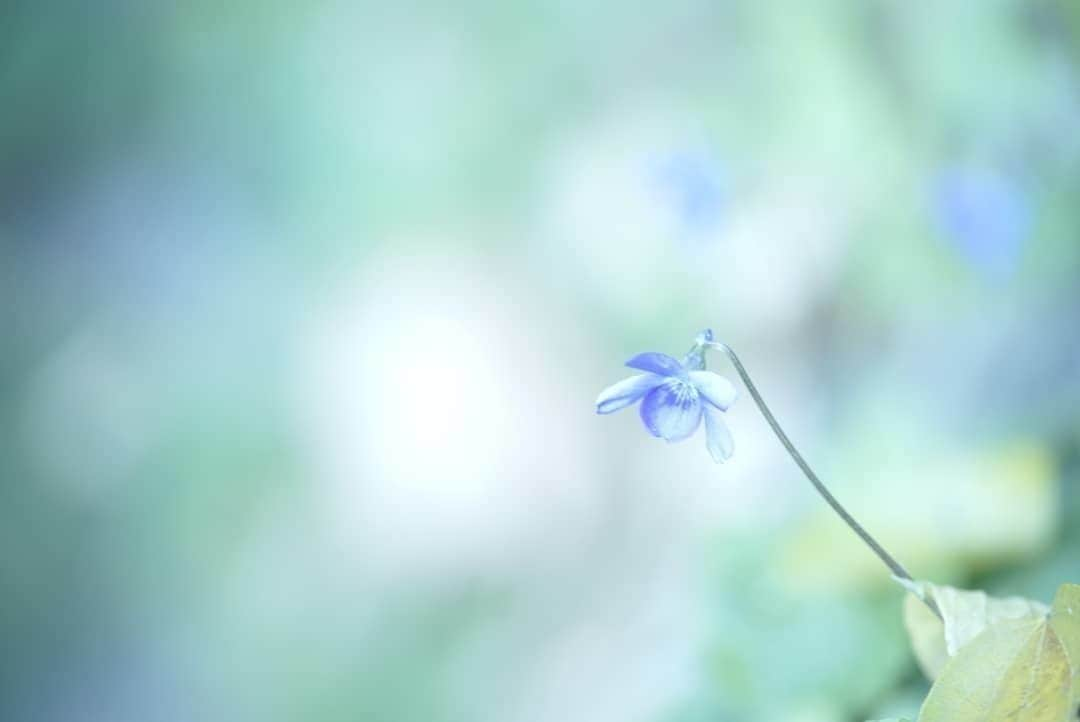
(894, 566)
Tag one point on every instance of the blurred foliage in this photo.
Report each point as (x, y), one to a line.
(304, 306)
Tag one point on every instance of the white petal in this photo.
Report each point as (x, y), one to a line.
(717, 390)
(717, 436)
(626, 392)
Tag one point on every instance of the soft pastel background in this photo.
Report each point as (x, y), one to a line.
(305, 307)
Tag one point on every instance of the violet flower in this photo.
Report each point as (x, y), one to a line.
(675, 396)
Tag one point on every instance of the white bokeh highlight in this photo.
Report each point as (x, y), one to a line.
(439, 428)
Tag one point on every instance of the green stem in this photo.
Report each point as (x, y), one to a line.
(894, 566)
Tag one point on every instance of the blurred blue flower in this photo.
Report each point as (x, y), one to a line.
(693, 184)
(986, 217)
(675, 395)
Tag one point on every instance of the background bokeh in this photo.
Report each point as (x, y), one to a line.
(305, 307)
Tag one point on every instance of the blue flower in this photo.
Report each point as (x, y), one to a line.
(675, 395)
(986, 216)
(694, 185)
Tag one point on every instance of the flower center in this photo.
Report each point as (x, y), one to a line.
(683, 391)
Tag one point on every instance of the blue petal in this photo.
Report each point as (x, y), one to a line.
(668, 414)
(626, 392)
(717, 436)
(717, 390)
(986, 215)
(657, 363)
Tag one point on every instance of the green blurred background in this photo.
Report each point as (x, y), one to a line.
(305, 307)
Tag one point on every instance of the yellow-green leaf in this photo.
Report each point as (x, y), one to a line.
(1065, 621)
(1017, 670)
(966, 614)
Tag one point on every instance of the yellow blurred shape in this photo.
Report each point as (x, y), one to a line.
(978, 509)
